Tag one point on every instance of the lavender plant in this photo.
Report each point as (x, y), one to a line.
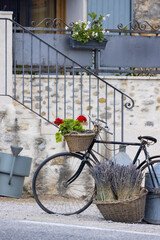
(116, 182)
(103, 181)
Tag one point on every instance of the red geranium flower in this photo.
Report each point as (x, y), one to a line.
(81, 118)
(4, 7)
(58, 121)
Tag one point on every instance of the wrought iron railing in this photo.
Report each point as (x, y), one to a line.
(133, 28)
(61, 92)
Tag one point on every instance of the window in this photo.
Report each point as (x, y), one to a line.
(27, 11)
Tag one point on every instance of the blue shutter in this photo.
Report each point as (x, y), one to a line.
(120, 11)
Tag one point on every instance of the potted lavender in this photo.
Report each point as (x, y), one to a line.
(119, 195)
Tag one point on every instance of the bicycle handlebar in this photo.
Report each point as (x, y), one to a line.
(143, 139)
(95, 123)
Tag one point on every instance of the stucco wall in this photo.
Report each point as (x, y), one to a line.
(21, 127)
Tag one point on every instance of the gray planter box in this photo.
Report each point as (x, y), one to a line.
(13, 170)
(91, 44)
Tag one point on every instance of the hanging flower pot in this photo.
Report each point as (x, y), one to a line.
(90, 34)
(91, 44)
(79, 141)
(77, 138)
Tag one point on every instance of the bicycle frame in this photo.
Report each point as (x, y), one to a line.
(90, 156)
(116, 143)
(86, 156)
(142, 148)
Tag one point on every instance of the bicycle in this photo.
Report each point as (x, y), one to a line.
(62, 183)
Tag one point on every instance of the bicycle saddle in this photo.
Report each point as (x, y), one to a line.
(147, 138)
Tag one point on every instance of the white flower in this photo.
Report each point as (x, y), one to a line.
(96, 34)
(66, 27)
(86, 28)
(104, 18)
(93, 33)
(103, 31)
(76, 22)
(88, 22)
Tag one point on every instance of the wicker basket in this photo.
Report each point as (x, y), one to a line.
(128, 211)
(79, 141)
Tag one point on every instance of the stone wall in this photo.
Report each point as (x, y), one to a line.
(147, 10)
(19, 126)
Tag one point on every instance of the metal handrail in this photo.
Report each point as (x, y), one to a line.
(125, 100)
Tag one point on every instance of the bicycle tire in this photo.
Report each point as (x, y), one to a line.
(49, 191)
(152, 161)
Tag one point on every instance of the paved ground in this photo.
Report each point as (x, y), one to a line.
(27, 209)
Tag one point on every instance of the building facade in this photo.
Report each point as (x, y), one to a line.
(32, 12)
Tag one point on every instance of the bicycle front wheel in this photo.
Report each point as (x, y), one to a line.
(52, 193)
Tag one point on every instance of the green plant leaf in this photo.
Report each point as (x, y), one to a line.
(58, 137)
(85, 31)
(77, 126)
(68, 126)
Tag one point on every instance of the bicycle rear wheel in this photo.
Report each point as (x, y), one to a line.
(50, 190)
(153, 161)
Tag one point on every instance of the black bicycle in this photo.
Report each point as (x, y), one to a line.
(62, 184)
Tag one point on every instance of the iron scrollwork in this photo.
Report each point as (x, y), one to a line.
(51, 23)
(135, 25)
(129, 105)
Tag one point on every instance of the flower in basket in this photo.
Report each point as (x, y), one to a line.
(116, 182)
(85, 31)
(69, 125)
(82, 119)
(119, 196)
(58, 121)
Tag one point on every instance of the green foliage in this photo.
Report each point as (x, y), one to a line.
(68, 126)
(85, 31)
(58, 137)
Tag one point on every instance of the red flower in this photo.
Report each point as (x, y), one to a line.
(58, 121)
(81, 118)
(4, 7)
